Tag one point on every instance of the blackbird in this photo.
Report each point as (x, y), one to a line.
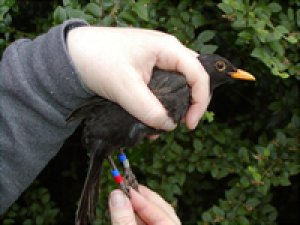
(108, 127)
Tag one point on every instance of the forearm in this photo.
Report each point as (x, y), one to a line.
(39, 87)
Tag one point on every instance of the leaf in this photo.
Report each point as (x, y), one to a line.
(181, 177)
(59, 14)
(266, 152)
(244, 182)
(259, 53)
(128, 17)
(218, 211)
(208, 49)
(107, 20)
(207, 217)
(253, 202)
(284, 180)
(242, 220)
(197, 144)
(225, 8)
(282, 29)
(3, 10)
(243, 154)
(206, 36)
(254, 173)
(278, 33)
(185, 16)
(292, 39)
(66, 2)
(141, 9)
(239, 22)
(220, 137)
(246, 35)
(275, 7)
(209, 116)
(75, 13)
(94, 9)
(198, 20)
(256, 176)
(278, 47)
(214, 172)
(281, 138)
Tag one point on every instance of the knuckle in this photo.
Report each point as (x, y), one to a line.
(175, 40)
(172, 39)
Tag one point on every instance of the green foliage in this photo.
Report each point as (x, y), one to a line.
(6, 7)
(269, 30)
(37, 208)
(225, 171)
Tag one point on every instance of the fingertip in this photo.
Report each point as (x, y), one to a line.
(121, 210)
(143, 104)
(194, 115)
(143, 189)
(191, 121)
(118, 199)
(156, 116)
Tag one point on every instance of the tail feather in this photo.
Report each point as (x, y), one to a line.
(86, 210)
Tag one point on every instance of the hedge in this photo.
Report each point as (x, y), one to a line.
(242, 163)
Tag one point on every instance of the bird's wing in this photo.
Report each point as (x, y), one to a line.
(83, 110)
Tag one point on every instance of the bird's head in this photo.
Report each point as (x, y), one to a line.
(221, 70)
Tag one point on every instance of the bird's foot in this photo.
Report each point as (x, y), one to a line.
(125, 188)
(129, 177)
(117, 177)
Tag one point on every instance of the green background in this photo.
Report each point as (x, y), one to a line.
(241, 165)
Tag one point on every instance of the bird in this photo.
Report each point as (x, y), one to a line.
(108, 127)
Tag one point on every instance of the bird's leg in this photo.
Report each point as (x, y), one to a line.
(118, 178)
(129, 176)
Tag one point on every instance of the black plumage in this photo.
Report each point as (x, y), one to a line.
(108, 127)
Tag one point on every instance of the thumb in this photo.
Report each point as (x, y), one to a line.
(120, 208)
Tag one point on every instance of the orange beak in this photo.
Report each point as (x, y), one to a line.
(242, 75)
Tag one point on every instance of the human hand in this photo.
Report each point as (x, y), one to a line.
(116, 63)
(144, 208)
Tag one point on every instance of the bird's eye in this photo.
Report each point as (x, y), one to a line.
(220, 65)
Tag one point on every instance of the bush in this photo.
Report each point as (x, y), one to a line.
(226, 171)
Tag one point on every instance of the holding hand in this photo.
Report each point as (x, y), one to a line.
(116, 63)
(144, 208)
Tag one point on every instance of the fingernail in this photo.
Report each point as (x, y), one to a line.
(117, 199)
(169, 125)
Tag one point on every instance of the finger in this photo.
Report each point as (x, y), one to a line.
(147, 211)
(193, 53)
(180, 59)
(138, 220)
(196, 110)
(159, 201)
(153, 137)
(121, 211)
(139, 101)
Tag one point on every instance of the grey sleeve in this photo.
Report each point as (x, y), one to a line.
(39, 87)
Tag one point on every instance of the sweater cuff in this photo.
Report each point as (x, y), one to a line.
(67, 26)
